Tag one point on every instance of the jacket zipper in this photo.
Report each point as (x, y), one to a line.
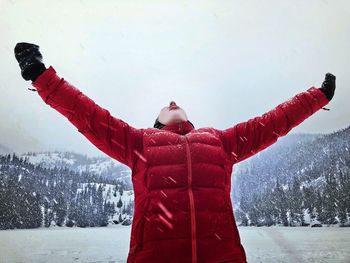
(190, 193)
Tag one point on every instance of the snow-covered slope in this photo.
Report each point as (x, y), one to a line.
(104, 166)
(111, 194)
(295, 174)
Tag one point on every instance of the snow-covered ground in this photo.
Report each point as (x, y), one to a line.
(110, 244)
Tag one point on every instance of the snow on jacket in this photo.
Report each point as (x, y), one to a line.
(181, 175)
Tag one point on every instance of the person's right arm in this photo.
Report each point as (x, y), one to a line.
(111, 135)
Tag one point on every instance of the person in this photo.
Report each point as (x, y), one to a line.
(181, 175)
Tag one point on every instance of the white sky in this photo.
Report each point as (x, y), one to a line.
(222, 61)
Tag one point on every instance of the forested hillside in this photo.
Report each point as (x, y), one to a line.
(299, 179)
(33, 196)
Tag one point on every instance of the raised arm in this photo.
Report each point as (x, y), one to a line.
(249, 137)
(111, 135)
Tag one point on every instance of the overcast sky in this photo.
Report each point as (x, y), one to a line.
(223, 62)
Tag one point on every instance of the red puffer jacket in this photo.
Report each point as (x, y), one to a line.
(181, 175)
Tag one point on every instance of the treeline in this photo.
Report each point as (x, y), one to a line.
(288, 205)
(293, 178)
(32, 196)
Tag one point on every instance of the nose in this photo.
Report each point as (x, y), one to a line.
(172, 105)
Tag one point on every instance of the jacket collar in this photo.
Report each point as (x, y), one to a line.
(182, 127)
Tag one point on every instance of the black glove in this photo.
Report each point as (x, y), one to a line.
(328, 86)
(30, 60)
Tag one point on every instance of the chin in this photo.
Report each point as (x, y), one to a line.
(176, 121)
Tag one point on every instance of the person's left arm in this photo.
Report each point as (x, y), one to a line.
(247, 138)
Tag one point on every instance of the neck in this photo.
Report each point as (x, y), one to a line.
(182, 127)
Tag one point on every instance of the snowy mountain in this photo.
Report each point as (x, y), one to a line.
(309, 173)
(103, 165)
(32, 196)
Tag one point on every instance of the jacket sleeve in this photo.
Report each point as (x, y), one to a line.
(111, 135)
(249, 137)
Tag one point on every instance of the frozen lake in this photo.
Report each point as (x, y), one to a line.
(110, 244)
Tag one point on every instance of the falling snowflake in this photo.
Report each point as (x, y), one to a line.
(140, 155)
(165, 210)
(172, 179)
(165, 221)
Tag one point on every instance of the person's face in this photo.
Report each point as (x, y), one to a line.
(172, 113)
